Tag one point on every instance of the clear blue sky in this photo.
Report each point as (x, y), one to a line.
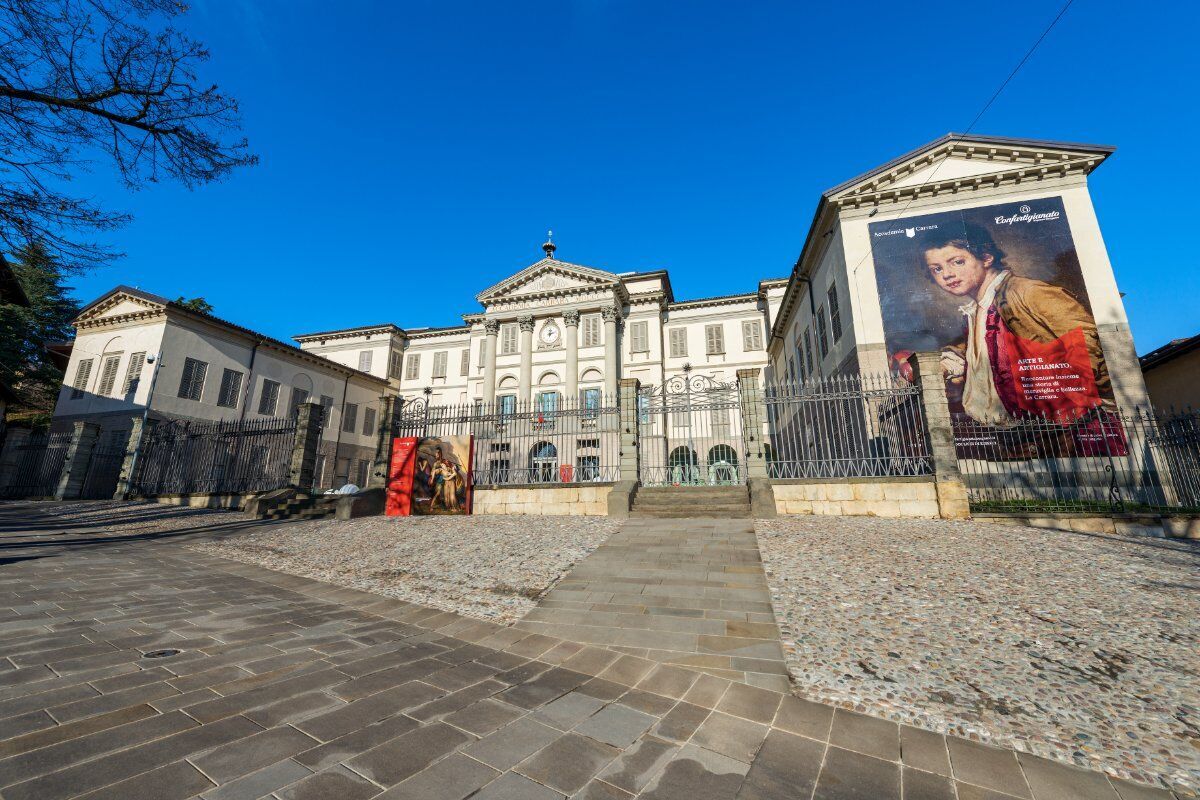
(415, 152)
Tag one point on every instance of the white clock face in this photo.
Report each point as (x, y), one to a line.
(550, 334)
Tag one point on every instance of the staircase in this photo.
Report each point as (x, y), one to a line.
(726, 502)
(300, 507)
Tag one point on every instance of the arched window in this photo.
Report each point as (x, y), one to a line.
(543, 462)
(722, 464)
(682, 466)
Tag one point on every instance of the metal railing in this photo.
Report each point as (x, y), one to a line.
(104, 470)
(182, 457)
(690, 433)
(39, 465)
(551, 440)
(846, 426)
(1106, 461)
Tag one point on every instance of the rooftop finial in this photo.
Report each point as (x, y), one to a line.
(549, 246)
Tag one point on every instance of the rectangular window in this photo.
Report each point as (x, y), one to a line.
(326, 409)
(822, 332)
(134, 373)
(464, 367)
(299, 396)
(507, 404)
(808, 353)
(268, 399)
(751, 335)
(590, 398)
(361, 477)
(364, 360)
(439, 363)
(231, 388)
(191, 383)
(508, 339)
(591, 330)
(639, 335)
(394, 364)
(792, 370)
(350, 417)
(108, 375)
(714, 339)
(412, 368)
(835, 314)
(82, 373)
(368, 422)
(678, 337)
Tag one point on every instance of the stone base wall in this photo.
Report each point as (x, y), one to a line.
(572, 500)
(858, 497)
(1174, 527)
(230, 502)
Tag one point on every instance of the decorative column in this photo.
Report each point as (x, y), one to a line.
(754, 414)
(611, 316)
(571, 343)
(383, 443)
(526, 377)
(75, 466)
(492, 328)
(302, 468)
(951, 491)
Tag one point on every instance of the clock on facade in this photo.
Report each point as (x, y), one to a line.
(550, 333)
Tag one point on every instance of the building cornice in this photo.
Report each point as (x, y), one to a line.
(348, 333)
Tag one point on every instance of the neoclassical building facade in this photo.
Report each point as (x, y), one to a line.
(561, 330)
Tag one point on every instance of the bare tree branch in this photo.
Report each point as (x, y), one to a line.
(83, 80)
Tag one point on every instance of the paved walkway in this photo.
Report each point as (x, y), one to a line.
(286, 687)
(689, 592)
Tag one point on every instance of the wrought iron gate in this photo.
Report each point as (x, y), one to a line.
(690, 433)
(104, 468)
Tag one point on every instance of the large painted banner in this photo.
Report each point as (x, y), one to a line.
(429, 476)
(999, 291)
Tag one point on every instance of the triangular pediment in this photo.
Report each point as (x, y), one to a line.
(121, 304)
(548, 277)
(959, 161)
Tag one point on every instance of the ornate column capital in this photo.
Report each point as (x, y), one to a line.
(526, 322)
(571, 317)
(610, 314)
(491, 327)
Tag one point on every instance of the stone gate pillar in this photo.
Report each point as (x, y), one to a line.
(754, 416)
(383, 444)
(302, 468)
(951, 491)
(75, 465)
(134, 446)
(620, 499)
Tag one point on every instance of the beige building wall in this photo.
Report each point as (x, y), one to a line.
(1175, 383)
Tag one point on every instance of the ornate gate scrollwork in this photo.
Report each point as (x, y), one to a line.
(690, 433)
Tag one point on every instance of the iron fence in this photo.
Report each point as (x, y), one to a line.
(104, 467)
(1106, 461)
(548, 440)
(690, 433)
(846, 426)
(39, 465)
(184, 457)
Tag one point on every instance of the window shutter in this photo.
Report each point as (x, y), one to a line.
(368, 421)
(751, 335)
(714, 338)
(82, 373)
(298, 396)
(439, 364)
(808, 352)
(134, 373)
(413, 368)
(483, 346)
(508, 333)
(394, 364)
(678, 342)
(639, 334)
(364, 360)
(350, 417)
(591, 331)
(191, 383)
(326, 408)
(835, 314)
(108, 375)
(268, 399)
(231, 387)
(465, 367)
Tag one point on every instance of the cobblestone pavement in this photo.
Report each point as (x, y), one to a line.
(688, 592)
(291, 688)
(442, 562)
(1078, 647)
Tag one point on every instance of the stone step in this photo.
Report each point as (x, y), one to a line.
(688, 513)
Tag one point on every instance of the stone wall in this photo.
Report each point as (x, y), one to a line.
(588, 499)
(1175, 527)
(858, 497)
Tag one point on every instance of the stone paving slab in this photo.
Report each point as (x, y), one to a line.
(687, 592)
(570, 720)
